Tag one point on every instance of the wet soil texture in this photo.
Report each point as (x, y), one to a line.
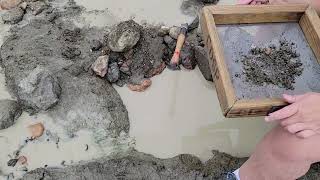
(273, 65)
(268, 60)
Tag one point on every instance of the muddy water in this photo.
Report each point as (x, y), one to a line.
(180, 113)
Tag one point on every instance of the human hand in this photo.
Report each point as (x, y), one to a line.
(301, 117)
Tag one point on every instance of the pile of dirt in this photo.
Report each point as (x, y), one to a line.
(279, 66)
(46, 64)
(136, 165)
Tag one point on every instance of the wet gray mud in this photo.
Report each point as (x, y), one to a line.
(47, 66)
(240, 40)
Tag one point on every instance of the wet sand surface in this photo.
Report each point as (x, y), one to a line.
(239, 39)
(180, 113)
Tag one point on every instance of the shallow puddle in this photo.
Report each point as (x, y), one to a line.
(180, 113)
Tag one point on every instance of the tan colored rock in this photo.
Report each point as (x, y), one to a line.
(9, 4)
(140, 87)
(22, 160)
(100, 66)
(36, 130)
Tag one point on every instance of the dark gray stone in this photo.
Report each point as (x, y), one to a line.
(10, 111)
(203, 62)
(12, 162)
(124, 36)
(39, 90)
(187, 57)
(170, 42)
(113, 74)
(13, 16)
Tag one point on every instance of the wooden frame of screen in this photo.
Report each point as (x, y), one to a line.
(244, 14)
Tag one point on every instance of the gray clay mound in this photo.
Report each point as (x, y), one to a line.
(301, 71)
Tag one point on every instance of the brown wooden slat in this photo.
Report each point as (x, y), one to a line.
(235, 14)
(256, 107)
(310, 24)
(218, 67)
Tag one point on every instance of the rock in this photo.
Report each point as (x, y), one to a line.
(113, 74)
(125, 69)
(36, 130)
(12, 162)
(140, 86)
(100, 108)
(13, 16)
(124, 36)
(203, 62)
(174, 32)
(9, 4)
(22, 160)
(187, 57)
(114, 57)
(37, 7)
(170, 42)
(100, 66)
(96, 45)
(10, 111)
(40, 90)
(163, 31)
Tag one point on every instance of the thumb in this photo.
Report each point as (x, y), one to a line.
(292, 98)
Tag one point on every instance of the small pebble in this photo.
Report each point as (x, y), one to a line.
(100, 66)
(87, 147)
(164, 30)
(12, 162)
(57, 143)
(22, 160)
(36, 130)
(174, 32)
(113, 74)
(63, 163)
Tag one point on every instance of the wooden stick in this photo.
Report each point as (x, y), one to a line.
(180, 42)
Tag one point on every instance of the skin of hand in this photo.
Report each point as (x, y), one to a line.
(301, 117)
